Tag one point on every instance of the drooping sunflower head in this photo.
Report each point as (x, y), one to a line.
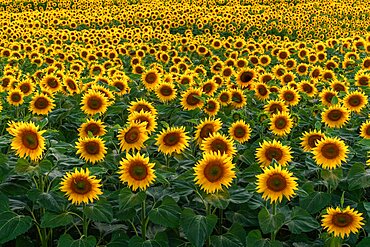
(172, 140)
(95, 127)
(206, 128)
(310, 139)
(133, 136)
(142, 105)
(217, 142)
(276, 183)
(80, 187)
(41, 104)
(355, 101)
(335, 116)
(28, 140)
(94, 102)
(342, 222)
(137, 171)
(281, 124)
(270, 150)
(143, 117)
(166, 91)
(214, 171)
(330, 152)
(365, 130)
(91, 149)
(240, 131)
(190, 99)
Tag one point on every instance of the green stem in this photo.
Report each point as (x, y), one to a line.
(85, 221)
(143, 220)
(273, 234)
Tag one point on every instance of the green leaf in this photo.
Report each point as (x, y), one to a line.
(13, 225)
(269, 222)
(240, 195)
(167, 214)
(315, 201)
(225, 240)
(22, 166)
(53, 220)
(4, 203)
(197, 228)
(254, 238)
(100, 211)
(127, 199)
(218, 200)
(45, 166)
(139, 242)
(358, 177)
(67, 240)
(364, 242)
(332, 176)
(334, 100)
(302, 221)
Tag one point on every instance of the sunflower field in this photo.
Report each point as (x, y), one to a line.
(184, 123)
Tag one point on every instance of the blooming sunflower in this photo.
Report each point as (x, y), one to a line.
(289, 95)
(240, 131)
(133, 137)
(275, 106)
(245, 77)
(80, 187)
(28, 140)
(150, 79)
(217, 142)
(214, 171)
(261, 91)
(207, 127)
(342, 222)
(238, 99)
(307, 87)
(15, 97)
(165, 91)
(142, 105)
(91, 149)
(275, 183)
(41, 104)
(355, 101)
(326, 96)
(96, 127)
(211, 107)
(335, 116)
(136, 171)
(172, 140)
(143, 117)
(281, 124)
(310, 139)
(224, 97)
(51, 83)
(94, 102)
(330, 152)
(273, 150)
(190, 99)
(365, 130)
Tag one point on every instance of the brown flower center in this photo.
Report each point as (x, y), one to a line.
(138, 171)
(94, 103)
(275, 108)
(132, 135)
(211, 106)
(25, 88)
(280, 123)
(214, 171)
(239, 131)
(191, 100)
(219, 145)
(246, 77)
(92, 147)
(151, 78)
(166, 90)
(206, 131)
(329, 96)
(342, 219)
(81, 185)
(276, 183)
(289, 96)
(313, 139)
(52, 82)
(307, 88)
(16, 97)
(41, 103)
(274, 153)
(93, 128)
(355, 100)
(224, 97)
(171, 139)
(262, 90)
(71, 84)
(335, 115)
(237, 98)
(330, 151)
(30, 140)
(143, 107)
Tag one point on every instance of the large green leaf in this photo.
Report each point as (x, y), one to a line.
(67, 240)
(53, 220)
(127, 199)
(302, 221)
(269, 222)
(218, 200)
(167, 214)
(254, 239)
(315, 201)
(197, 227)
(358, 177)
(225, 240)
(12, 225)
(100, 211)
(139, 242)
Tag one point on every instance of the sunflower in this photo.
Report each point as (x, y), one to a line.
(330, 152)
(240, 131)
(133, 137)
(142, 105)
(190, 99)
(365, 130)
(217, 142)
(238, 99)
(206, 128)
(289, 95)
(212, 107)
(172, 140)
(51, 83)
(245, 77)
(281, 124)
(261, 91)
(339, 86)
(214, 171)
(95, 127)
(94, 102)
(275, 106)
(91, 149)
(144, 117)
(275, 183)
(28, 140)
(326, 96)
(150, 79)
(209, 87)
(355, 101)
(26, 87)
(307, 87)
(335, 116)
(310, 139)
(121, 84)
(71, 85)
(342, 222)
(224, 97)
(15, 97)
(80, 187)
(136, 171)
(41, 104)
(273, 150)
(165, 91)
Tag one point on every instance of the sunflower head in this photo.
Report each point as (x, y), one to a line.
(355, 101)
(330, 152)
(95, 127)
(310, 139)
(365, 130)
(335, 116)
(281, 124)
(240, 131)
(217, 142)
(91, 149)
(172, 140)
(41, 104)
(270, 150)
(133, 137)
(206, 128)
(94, 102)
